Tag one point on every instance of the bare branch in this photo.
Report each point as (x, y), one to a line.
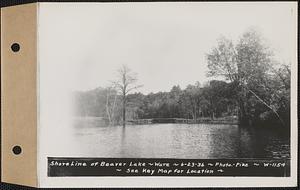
(133, 88)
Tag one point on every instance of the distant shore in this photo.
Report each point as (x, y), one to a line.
(221, 120)
(182, 120)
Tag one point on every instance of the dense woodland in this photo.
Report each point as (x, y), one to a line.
(213, 100)
(253, 88)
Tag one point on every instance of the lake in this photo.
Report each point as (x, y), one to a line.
(190, 141)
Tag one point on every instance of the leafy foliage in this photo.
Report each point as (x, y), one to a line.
(255, 88)
(262, 90)
(212, 100)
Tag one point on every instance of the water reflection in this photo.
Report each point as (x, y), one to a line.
(178, 141)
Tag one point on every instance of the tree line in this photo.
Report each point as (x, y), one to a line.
(211, 100)
(254, 88)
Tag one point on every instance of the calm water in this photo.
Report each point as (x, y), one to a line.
(194, 141)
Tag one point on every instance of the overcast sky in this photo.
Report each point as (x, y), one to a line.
(83, 44)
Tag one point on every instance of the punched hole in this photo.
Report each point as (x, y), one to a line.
(15, 47)
(17, 150)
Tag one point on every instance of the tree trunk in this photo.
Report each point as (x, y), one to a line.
(272, 109)
(124, 110)
(113, 110)
(243, 117)
(107, 108)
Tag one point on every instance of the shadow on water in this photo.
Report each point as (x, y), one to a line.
(259, 142)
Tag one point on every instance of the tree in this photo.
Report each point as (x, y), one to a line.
(248, 65)
(125, 83)
(216, 95)
(110, 105)
(174, 100)
(192, 100)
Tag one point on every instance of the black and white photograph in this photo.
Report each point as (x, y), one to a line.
(167, 81)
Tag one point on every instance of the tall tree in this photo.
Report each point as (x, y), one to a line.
(110, 105)
(247, 65)
(125, 83)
